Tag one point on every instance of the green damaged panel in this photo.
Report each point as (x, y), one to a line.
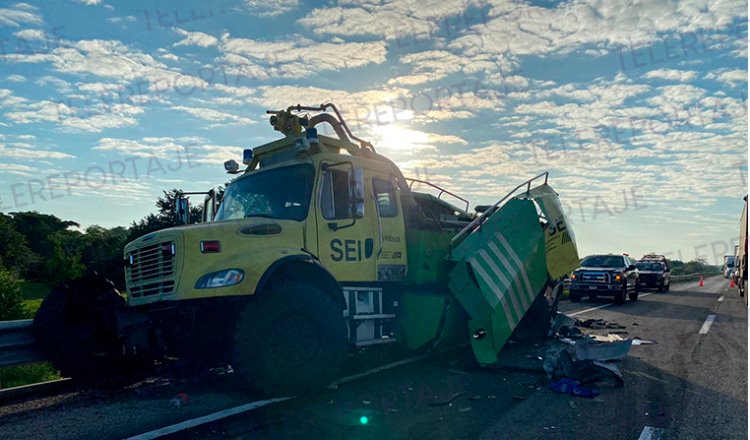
(560, 243)
(500, 268)
(431, 317)
(420, 318)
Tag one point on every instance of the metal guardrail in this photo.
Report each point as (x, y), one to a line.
(692, 276)
(17, 343)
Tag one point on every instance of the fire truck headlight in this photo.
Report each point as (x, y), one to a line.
(222, 278)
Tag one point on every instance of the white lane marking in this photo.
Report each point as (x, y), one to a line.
(187, 424)
(707, 324)
(603, 306)
(721, 298)
(651, 433)
(385, 367)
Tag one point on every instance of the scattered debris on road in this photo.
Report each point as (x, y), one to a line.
(448, 400)
(573, 388)
(590, 348)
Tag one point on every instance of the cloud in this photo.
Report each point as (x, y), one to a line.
(729, 77)
(160, 147)
(196, 39)
(387, 19)
(220, 118)
(295, 57)
(21, 170)
(672, 75)
(16, 152)
(31, 34)
(15, 78)
(263, 8)
(18, 14)
(190, 148)
(89, 2)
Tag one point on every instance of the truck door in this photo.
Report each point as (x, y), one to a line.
(391, 246)
(347, 223)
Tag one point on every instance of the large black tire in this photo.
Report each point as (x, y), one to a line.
(291, 339)
(666, 288)
(620, 296)
(75, 328)
(575, 297)
(634, 294)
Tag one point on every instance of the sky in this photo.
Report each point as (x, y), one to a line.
(637, 109)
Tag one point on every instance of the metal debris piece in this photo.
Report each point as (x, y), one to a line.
(603, 351)
(448, 400)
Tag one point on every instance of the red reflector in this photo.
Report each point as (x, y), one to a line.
(210, 246)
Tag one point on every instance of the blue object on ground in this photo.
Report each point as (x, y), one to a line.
(573, 388)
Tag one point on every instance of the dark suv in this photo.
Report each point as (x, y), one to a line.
(605, 275)
(654, 272)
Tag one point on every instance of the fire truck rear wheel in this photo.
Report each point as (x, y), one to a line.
(291, 339)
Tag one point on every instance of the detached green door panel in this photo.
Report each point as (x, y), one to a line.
(562, 254)
(500, 268)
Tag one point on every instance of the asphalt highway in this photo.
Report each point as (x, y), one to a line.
(690, 384)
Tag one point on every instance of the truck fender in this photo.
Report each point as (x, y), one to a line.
(305, 268)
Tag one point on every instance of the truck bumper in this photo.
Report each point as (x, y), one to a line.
(582, 290)
(192, 328)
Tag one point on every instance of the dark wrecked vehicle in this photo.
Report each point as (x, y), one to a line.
(654, 272)
(605, 275)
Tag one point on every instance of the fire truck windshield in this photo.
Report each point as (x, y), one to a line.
(282, 193)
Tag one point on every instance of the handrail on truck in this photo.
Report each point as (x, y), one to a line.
(442, 190)
(477, 222)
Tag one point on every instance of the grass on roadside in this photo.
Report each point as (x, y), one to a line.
(27, 374)
(33, 294)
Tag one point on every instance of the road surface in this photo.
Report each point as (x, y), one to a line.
(691, 384)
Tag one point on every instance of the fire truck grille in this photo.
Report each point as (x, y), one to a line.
(155, 263)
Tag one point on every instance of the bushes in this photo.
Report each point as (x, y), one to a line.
(11, 301)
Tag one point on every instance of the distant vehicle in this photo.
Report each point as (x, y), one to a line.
(741, 260)
(605, 275)
(728, 267)
(654, 272)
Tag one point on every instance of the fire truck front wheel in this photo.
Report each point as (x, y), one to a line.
(292, 338)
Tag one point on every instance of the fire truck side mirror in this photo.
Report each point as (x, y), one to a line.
(182, 211)
(357, 192)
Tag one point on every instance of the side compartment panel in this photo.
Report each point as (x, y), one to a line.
(500, 269)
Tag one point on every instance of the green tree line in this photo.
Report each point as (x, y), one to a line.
(42, 248)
